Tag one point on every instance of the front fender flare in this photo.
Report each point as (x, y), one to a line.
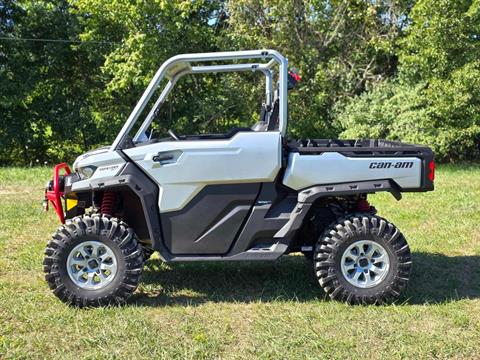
(144, 188)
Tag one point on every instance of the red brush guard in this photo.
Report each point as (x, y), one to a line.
(53, 192)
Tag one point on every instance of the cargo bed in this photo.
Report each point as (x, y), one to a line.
(325, 161)
(359, 147)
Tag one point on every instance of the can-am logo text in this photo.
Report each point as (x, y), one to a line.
(391, 165)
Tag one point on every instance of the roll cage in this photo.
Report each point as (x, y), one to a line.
(177, 66)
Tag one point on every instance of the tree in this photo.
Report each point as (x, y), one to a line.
(401, 69)
(43, 105)
(147, 34)
(435, 100)
(342, 48)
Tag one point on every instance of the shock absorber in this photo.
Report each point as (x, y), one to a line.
(108, 201)
(363, 205)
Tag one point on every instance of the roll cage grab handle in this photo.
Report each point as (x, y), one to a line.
(180, 65)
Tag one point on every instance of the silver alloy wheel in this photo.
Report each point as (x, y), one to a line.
(365, 264)
(91, 265)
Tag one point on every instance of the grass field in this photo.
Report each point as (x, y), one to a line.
(251, 310)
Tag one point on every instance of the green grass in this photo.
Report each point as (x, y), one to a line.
(251, 310)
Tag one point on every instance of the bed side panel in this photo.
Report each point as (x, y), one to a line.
(304, 171)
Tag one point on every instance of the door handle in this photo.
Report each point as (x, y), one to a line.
(162, 157)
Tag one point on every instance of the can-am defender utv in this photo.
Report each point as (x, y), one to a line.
(249, 194)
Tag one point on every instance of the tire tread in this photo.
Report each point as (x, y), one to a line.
(327, 253)
(101, 225)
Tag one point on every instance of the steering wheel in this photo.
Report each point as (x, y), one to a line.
(173, 135)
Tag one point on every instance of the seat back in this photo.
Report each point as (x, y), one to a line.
(274, 118)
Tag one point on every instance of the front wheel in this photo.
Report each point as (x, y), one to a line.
(93, 261)
(362, 260)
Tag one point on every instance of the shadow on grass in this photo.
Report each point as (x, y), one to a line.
(435, 278)
(438, 278)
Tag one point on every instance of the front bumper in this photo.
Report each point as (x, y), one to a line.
(54, 191)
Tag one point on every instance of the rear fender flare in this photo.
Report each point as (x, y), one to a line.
(307, 197)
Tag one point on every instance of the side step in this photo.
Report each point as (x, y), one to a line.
(259, 252)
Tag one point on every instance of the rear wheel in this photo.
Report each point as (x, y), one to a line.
(362, 260)
(93, 261)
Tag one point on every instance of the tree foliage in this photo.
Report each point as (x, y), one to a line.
(146, 34)
(398, 69)
(341, 47)
(436, 97)
(44, 86)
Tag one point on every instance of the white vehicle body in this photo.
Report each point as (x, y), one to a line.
(249, 194)
(241, 195)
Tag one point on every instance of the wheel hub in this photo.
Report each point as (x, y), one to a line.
(91, 265)
(365, 263)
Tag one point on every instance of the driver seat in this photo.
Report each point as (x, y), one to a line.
(273, 120)
(262, 124)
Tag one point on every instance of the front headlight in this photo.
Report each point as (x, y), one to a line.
(86, 172)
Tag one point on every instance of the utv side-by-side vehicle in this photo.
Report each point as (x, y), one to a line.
(249, 194)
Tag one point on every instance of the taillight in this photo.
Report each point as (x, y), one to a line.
(431, 173)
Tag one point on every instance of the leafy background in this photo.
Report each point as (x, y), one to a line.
(397, 69)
